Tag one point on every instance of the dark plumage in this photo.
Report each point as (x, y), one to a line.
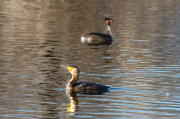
(83, 86)
(99, 38)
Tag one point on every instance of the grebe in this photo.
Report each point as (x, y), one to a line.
(99, 38)
(83, 86)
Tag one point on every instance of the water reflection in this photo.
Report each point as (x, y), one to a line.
(74, 101)
(73, 106)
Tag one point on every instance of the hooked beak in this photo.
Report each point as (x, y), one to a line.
(64, 66)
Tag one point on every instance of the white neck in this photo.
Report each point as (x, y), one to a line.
(108, 31)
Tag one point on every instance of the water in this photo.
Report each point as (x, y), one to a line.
(142, 66)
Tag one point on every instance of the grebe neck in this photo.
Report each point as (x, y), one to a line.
(108, 30)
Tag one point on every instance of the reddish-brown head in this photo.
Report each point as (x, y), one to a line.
(108, 21)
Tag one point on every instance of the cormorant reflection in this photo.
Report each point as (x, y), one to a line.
(74, 101)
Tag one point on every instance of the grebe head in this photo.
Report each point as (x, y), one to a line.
(108, 21)
(73, 69)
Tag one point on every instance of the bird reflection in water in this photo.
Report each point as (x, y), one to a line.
(73, 106)
(74, 102)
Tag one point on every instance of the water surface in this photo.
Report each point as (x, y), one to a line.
(141, 66)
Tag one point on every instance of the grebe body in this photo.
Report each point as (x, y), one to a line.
(99, 38)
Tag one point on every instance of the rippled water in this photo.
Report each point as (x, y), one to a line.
(141, 67)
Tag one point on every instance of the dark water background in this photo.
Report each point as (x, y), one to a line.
(142, 66)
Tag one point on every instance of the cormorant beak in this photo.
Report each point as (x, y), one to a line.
(64, 66)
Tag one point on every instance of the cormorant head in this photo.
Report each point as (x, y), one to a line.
(73, 69)
(108, 21)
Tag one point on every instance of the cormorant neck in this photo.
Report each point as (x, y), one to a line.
(73, 81)
(108, 30)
